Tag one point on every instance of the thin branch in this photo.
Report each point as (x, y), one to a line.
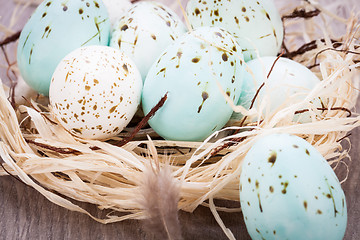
(13, 83)
(302, 13)
(10, 39)
(259, 89)
(54, 149)
(346, 136)
(144, 121)
(308, 47)
(234, 141)
(336, 50)
(324, 109)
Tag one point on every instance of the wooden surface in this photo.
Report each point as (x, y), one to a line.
(26, 214)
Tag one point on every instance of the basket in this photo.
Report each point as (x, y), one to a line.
(64, 168)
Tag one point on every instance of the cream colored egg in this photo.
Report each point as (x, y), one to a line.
(95, 91)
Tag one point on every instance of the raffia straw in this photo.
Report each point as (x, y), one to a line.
(100, 173)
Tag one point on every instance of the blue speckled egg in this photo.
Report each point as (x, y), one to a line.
(289, 191)
(289, 82)
(54, 30)
(145, 31)
(255, 24)
(189, 71)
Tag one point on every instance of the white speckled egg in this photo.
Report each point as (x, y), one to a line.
(189, 71)
(95, 91)
(287, 80)
(55, 29)
(116, 9)
(289, 191)
(145, 31)
(255, 24)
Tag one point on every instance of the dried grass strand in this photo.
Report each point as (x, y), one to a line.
(36, 150)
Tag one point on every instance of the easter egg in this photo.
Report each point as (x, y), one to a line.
(116, 9)
(95, 91)
(145, 31)
(289, 82)
(256, 25)
(289, 191)
(55, 29)
(194, 71)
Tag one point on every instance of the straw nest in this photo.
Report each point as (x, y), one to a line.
(64, 168)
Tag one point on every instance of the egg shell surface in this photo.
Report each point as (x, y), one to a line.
(95, 91)
(116, 9)
(257, 25)
(55, 29)
(289, 82)
(189, 70)
(145, 31)
(289, 191)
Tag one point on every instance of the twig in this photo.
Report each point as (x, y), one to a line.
(298, 14)
(143, 122)
(302, 13)
(346, 136)
(12, 82)
(10, 39)
(259, 89)
(54, 149)
(333, 49)
(307, 47)
(234, 141)
(324, 109)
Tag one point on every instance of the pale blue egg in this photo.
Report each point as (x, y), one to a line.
(289, 191)
(256, 25)
(189, 70)
(54, 30)
(145, 31)
(289, 82)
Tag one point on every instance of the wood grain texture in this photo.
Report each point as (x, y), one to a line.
(26, 214)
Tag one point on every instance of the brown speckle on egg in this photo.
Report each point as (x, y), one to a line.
(285, 184)
(196, 59)
(124, 28)
(305, 205)
(112, 109)
(64, 120)
(236, 20)
(272, 158)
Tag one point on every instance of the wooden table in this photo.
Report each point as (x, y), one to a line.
(26, 214)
